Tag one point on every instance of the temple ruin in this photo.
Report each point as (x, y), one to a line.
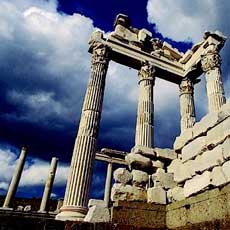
(154, 188)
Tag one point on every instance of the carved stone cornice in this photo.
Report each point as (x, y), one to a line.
(100, 53)
(186, 86)
(147, 72)
(211, 60)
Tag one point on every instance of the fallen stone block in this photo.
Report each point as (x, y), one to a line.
(140, 178)
(157, 164)
(27, 208)
(156, 195)
(128, 193)
(194, 148)
(165, 179)
(173, 166)
(97, 214)
(122, 175)
(139, 162)
(218, 177)
(183, 139)
(226, 149)
(19, 208)
(144, 151)
(197, 184)
(218, 134)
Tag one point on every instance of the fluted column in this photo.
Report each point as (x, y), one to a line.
(79, 180)
(144, 126)
(15, 179)
(108, 184)
(48, 185)
(211, 63)
(187, 109)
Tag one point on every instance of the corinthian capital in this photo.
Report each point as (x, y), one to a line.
(186, 86)
(211, 60)
(99, 53)
(147, 72)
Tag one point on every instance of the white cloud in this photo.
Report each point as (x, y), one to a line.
(34, 174)
(185, 20)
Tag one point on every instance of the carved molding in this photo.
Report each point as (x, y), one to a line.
(100, 53)
(147, 72)
(211, 60)
(186, 86)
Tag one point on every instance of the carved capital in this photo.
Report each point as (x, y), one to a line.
(147, 72)
(186, 86)
(100, 53)
(211, 60)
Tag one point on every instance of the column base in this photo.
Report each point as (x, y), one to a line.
(72, 213)
(6, 209)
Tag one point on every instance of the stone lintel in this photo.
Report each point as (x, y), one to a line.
(103, 157)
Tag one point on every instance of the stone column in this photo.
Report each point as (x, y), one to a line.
(108, 184)
(144, 126)
(187, 109)
(48, 185)
(211, 63)
(15, 179)
(80, 175)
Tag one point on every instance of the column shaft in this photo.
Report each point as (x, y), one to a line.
(80, 175)
(211, 63)
(144, 126)
(108, 184)
(187, 108)
(15, 179)
(48, 185)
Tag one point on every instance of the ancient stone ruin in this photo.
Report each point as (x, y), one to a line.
(155, 188)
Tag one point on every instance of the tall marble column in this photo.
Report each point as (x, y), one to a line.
(144, 125)
(211, 63)
(48, 185)
(15, 179)
(108, 184)
(187, 109)
(79, 180)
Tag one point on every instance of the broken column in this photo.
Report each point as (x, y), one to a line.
(144, 126)
(108, 184)
(80, 175)
(211, 63)
(187, 109)
(48, 185)
(15, 179)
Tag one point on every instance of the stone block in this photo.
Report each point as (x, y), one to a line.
(226, 170)
(183, 139)
(165, 179)
(97, 214)
(217, 176)
(194, 148)
(218, 133)
(143, 150)
(95, 202)
(166, 154)
(122, 175)
(19, 208)
(207, 122)
(175, 194)
(157, 164)
(139, 162)
(211, 158)
(173, 166)
(226, 149)
(128, 193)
(140, 178)
(197, 184)
(156, 195)
(27, 208)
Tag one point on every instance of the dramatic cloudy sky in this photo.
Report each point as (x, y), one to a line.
(44, 67)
